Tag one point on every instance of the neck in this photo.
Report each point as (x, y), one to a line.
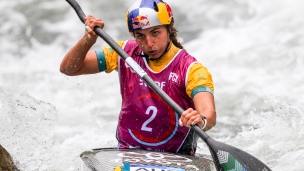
(166, 50)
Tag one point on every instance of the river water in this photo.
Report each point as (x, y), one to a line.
(254, 50)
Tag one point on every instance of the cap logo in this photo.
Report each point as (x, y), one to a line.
(140, 21)
(169, 10)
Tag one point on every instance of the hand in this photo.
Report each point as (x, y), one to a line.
(90, 23)
(191, 116)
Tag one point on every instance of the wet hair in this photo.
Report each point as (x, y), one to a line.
(173, 34)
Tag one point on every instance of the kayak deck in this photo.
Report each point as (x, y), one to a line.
(110, 159)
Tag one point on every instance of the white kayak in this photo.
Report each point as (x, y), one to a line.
(112, 159)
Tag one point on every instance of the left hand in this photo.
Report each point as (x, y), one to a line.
(190, 116)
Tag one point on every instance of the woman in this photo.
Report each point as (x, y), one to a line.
(145, 120)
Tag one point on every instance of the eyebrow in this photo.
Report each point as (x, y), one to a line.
(155, 29)
(138, 33)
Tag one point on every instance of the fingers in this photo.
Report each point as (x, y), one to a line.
(190, 117)
(91, 22)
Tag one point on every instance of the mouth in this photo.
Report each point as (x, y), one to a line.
(152, 53)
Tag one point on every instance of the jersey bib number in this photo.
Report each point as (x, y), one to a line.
(153, 110)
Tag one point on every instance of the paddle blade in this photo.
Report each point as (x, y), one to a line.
(231, 158)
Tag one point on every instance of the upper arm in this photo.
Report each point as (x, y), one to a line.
(98, 61)
(199, 79)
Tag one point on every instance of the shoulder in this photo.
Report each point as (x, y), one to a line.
(131, 47)
(194, 64)
(129, 43)
(198, 69)
(185, 60)
(185, 55)
(197, 65)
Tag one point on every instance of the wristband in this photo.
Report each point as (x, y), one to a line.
(205, 122)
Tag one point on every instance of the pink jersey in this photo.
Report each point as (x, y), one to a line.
(145, 120)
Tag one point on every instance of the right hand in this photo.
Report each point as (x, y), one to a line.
(90, 23)
(189, 117)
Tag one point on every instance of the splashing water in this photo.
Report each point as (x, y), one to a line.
(27, 127)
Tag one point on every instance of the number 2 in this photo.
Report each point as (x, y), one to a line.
(154, 112)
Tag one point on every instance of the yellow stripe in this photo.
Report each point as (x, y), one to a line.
(117, 168)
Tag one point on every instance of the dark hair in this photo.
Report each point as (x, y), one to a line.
(173, 34)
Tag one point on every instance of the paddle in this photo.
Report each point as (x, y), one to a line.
(225, 157)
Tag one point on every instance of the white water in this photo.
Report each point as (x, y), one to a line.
(253, 48)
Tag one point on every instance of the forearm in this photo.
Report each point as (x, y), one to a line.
(204, 104)
(210, 115)
(74, 59)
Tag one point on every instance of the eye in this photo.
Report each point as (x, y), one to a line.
(155, 33)
(140, 36)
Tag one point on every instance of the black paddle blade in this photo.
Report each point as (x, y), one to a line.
(231, 158)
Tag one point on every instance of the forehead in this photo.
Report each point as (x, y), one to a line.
(148, 30)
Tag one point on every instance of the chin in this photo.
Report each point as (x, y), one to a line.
(152, 57)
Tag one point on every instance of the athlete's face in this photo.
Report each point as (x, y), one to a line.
(152, 41)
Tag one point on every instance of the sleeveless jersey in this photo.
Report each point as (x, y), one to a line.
(145, 120)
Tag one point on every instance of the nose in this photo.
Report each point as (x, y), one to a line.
(149, 41)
